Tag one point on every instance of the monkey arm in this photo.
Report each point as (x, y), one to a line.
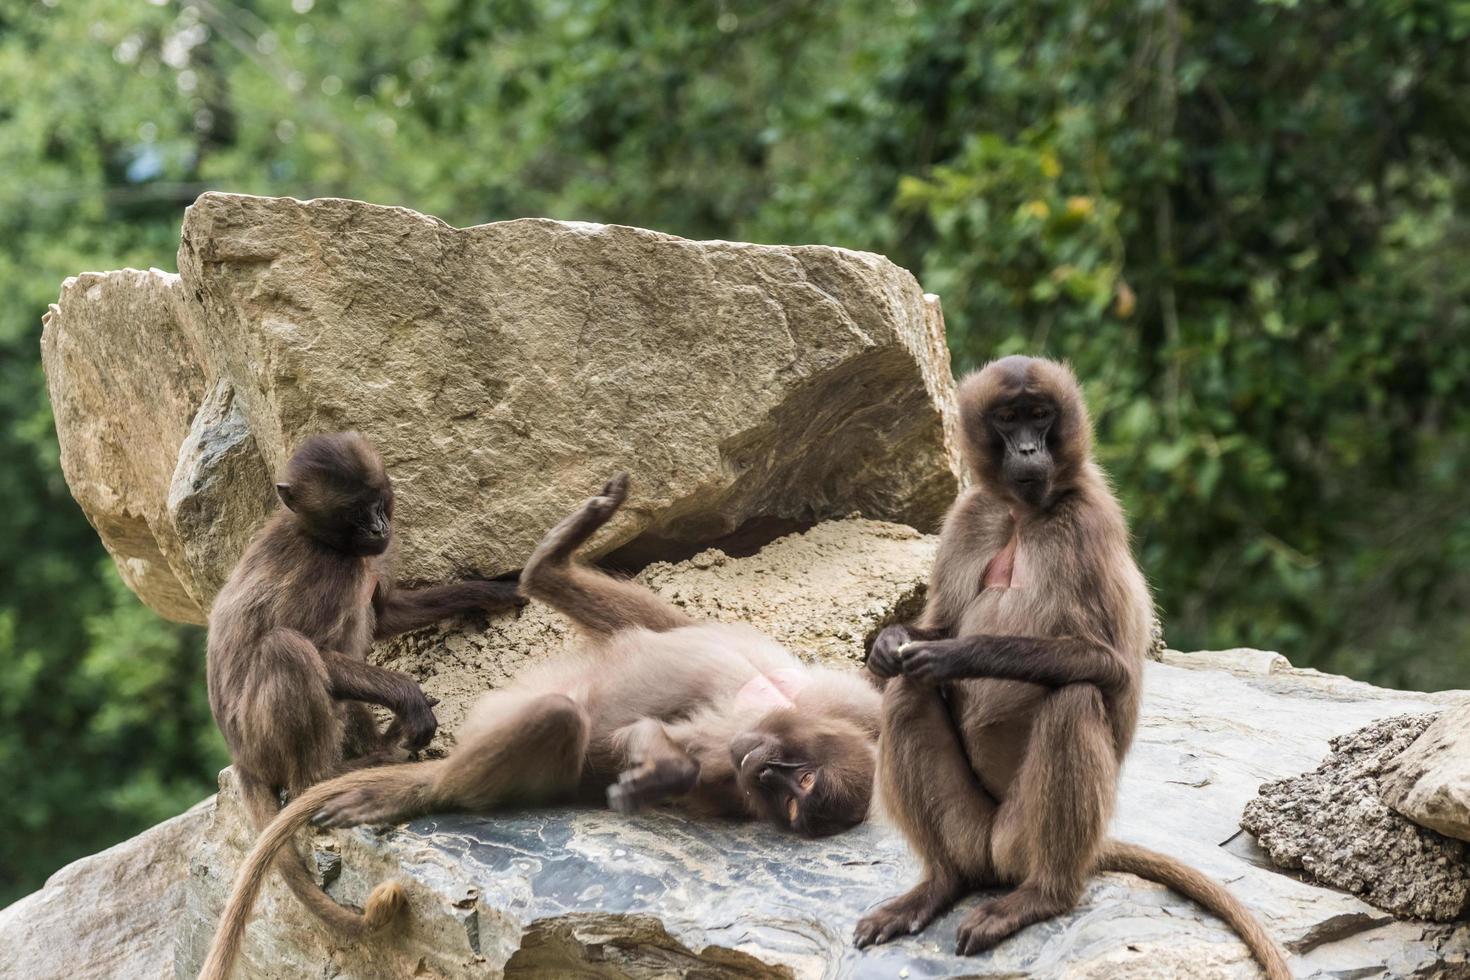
(1052, 661)
(401, 610)
(659, 767)
(352, 680)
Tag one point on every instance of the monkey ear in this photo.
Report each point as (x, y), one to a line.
(283, 490)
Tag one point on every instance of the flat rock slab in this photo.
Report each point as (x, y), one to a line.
(586, 893)
(504, 372)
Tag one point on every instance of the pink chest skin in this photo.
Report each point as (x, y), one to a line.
(1001, 573)
(766, 692)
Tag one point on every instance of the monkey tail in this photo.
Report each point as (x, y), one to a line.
(277, 830)
(1118, 856)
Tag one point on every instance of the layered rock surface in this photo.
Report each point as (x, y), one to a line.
(504, 371)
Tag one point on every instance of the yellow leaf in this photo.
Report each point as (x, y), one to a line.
(1080, 207)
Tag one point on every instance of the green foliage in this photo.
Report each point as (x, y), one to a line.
(1241, 222)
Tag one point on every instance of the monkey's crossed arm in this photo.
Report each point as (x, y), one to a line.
(1053, 661)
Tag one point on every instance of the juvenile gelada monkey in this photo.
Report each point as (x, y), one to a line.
(655, 706)
(1010, 704)
(289, 682)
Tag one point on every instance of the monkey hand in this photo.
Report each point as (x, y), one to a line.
(644, 785)
(883, 659)
(414, 719)
(934, 661)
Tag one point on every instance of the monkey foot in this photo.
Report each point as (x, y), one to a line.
(564, 539)
(996, 920)
(351, 807)
(906, 915)
(650, 783)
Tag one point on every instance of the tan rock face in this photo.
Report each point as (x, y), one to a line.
(503, 371)
(1429, 782)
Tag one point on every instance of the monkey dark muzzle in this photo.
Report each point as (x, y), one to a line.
(757, 760)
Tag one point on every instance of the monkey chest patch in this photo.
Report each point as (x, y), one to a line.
(1001, 573)
(766, 692)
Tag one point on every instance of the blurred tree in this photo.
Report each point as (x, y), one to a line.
(1240, 221)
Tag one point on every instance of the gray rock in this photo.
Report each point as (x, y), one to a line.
(108, 915)
(574, 892)
(504, 371)
(1332, 824)
(220, 494)
(1429, 782)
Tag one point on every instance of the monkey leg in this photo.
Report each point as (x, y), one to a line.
(939, 804)
(296, 732)
(1049, 829)
(598, 603)
(658, 768)
(529, 751)
(528, 754)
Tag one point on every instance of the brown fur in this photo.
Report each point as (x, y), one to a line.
(289, 681)
(650, 709)
(1013, 700)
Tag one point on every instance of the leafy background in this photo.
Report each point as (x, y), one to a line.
(1243, 222)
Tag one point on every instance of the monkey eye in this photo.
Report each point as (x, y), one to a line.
(1005, 416)
(807, 781)
(792, 809)
(1039, 413)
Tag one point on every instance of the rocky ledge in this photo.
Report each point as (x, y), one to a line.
(586, 893)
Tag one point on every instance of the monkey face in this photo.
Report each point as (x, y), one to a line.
(814, 777)
(1024, 428)
(1020, 426)
(338, 489)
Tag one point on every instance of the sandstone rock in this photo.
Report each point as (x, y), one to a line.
(126, 370)
(1332, 824)
(577, 892)
(1429, 782)
(504, 371)
(107, 915)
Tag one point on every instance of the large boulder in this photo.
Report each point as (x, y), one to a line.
(111, 914)
(1429, 782)
(503, 371)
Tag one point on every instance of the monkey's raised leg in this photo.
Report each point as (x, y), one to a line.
(940, 805)
(598, 603)
(658, 768)
(285, 694)
(514, 748)
(1048, 830)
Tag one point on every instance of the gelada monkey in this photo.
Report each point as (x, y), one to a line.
(289, 682)
(655, 706)
(1012, 701)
